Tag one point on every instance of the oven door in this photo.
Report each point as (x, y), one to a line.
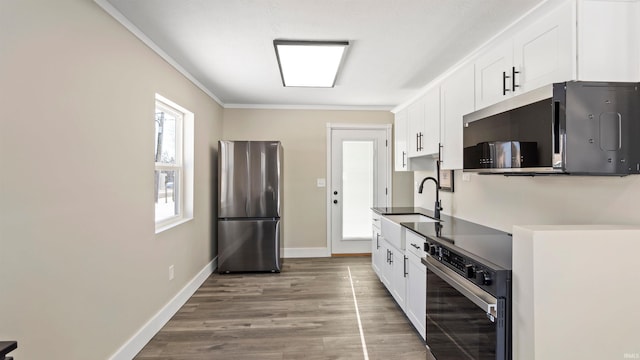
(461, 318)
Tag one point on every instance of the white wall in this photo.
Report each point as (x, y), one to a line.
(501, 202)
(81, 269)
(562, 302)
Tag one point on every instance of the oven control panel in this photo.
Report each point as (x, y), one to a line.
(476, 272)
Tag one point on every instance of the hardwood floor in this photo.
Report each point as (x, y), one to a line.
(305, 312)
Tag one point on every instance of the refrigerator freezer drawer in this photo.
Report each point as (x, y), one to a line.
(249, 245)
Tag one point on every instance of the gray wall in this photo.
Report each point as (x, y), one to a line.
(304, 137)
(81, 268)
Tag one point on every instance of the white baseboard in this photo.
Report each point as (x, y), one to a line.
(306, 252)
(151, 328)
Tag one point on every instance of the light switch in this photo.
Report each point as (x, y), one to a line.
(321, 183)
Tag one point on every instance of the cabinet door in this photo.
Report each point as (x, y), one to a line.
(377, 252)
(398, 276)
(608, 40)
(400, 141)
(416, 304)
(385, 263)
(416, 128)
(544, 52)
(457, 100)
(431, 139)
(490, 71)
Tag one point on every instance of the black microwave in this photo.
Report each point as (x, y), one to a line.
(575, 127)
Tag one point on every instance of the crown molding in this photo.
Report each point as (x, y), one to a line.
(111, 10)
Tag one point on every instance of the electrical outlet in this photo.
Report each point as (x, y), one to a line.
(171, 272)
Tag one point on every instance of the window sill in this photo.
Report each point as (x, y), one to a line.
(165, 227)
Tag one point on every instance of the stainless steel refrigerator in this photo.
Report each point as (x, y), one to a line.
(250, 206)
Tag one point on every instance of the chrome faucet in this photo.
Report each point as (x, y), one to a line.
(438, 206)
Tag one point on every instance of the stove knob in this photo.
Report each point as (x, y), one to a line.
(470, 270)
(483, 277)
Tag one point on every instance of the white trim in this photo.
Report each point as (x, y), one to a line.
(184, 166)
(118, 16)
(310, 107)
(111, 10)
(133, 346)
(388, 154)
(328, 184)
(306, 252)
(168, 225)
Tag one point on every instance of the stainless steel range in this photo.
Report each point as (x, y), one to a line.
(468, 290)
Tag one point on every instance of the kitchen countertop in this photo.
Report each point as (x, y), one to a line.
(476, 240)
(7, 347)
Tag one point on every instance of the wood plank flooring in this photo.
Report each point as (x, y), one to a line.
(305, 312)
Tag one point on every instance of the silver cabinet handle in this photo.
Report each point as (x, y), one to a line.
(405, 266)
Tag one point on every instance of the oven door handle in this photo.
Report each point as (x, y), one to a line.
(482, 299)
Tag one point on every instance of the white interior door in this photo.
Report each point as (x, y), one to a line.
(360, 173)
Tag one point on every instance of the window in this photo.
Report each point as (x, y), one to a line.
(173, 176)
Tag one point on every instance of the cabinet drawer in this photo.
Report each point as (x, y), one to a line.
(414, 244)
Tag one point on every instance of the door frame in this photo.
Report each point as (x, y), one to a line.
(388, 172)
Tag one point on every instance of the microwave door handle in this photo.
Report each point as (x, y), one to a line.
(557, 159)
(482, 300)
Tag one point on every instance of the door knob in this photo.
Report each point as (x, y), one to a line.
(335, 201)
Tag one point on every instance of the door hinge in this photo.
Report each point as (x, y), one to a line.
(386, 143)
(386, 191)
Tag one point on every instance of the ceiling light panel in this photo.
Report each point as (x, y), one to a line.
(309, 63)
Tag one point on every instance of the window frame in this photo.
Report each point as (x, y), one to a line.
(183, 165)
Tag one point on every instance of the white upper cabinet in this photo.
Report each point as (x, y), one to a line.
(491, 70)
(544, 52)
(431, 139)
(589, 40)
(537, 55)
(457, 100)
(424, 124)
(608, 40)
(564, 40)
(416, 128)
(400, 141)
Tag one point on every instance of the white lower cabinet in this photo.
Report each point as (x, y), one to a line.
(416, 299)
(403, 274)
(398, 276)
(377, 250)
(386, 272)
(392, 272)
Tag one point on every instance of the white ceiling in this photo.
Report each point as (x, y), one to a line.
(397, 46)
